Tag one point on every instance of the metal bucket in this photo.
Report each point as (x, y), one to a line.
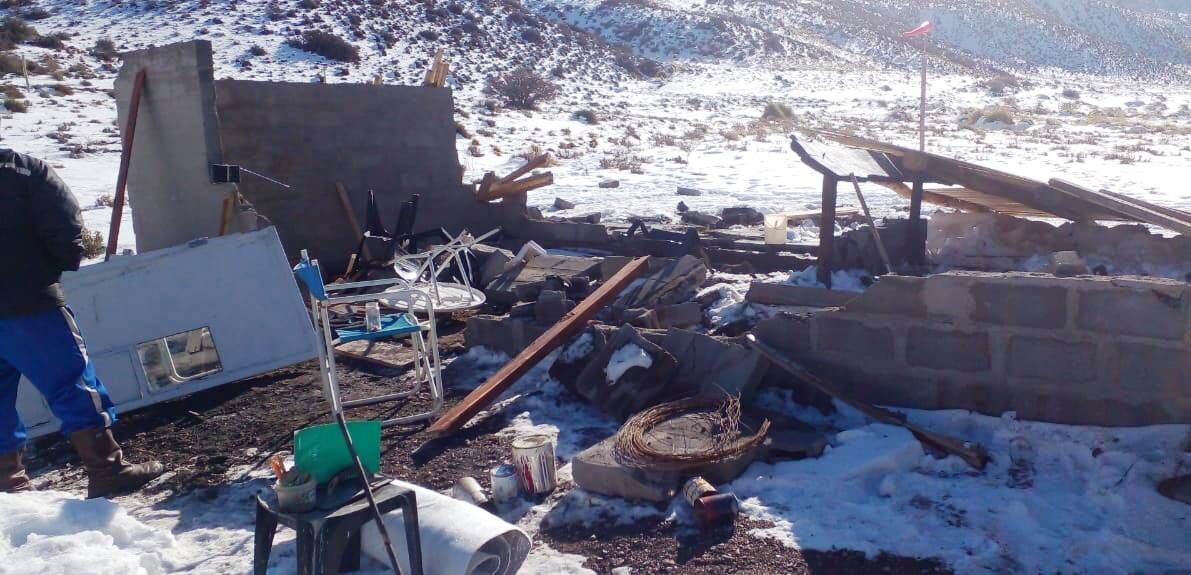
(696, 488)
(533, 456)
(504, 483)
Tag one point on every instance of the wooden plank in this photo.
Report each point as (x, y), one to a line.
(914, 218)
(346, 203)
(937, 199)
(972, 453)
(226, 213)
(531, 165)
(1171, 212)
(569, 325)
(499, 190)
(915, 239)
(134, 108)
(432, 71)
(1123, 206)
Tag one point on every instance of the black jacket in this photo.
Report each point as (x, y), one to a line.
(41, 235)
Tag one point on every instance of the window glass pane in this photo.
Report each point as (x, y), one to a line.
(179, 358)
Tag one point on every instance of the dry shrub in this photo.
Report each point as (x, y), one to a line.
(93, 244)
(326, 45)
(623, 159)
(104, 49)
(777, 111)
(523, 88)
(17, 106)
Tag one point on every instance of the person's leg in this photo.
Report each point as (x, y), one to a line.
(50, 351)
(52, 354)
(12, 431)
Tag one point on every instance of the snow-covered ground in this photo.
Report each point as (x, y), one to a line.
(1054, 499)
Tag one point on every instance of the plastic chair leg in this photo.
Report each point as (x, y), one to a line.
(266, 530)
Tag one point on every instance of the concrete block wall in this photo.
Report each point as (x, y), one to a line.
(170, 193)
(394, 140)
(1082, 350)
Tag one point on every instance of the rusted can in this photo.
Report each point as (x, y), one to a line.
(504, 483)
(469, 490)
(695, 488)
(533, 456)
(717, 509)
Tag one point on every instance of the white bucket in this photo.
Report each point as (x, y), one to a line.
(775, 229)
(533, 456)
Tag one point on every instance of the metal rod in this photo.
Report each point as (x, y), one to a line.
(380, 523)
(134, 106)
(922, 104)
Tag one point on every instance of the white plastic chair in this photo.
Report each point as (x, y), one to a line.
(423, 336)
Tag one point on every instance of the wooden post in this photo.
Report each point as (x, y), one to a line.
(827, 231)
(568, 326)
(228, 211)
(915, 239)
(346, 203)
(134, 106)
(872, 224)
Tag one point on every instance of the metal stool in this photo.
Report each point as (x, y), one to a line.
(329, 540)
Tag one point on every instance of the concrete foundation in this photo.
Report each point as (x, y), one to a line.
(1083, 350)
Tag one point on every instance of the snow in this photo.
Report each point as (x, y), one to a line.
(624, 359)
(1054, 499)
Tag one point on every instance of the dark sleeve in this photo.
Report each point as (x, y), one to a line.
(56, 218)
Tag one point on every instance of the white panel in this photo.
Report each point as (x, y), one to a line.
(241, 286)
(31, 406)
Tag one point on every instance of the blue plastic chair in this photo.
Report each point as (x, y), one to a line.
(422, 333)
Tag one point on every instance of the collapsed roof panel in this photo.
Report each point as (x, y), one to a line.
(974, 187)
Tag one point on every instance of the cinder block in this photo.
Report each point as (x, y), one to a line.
(1147, 367)
(854, 338)
(948, 350)
(1130, 312)
(1052, 359)
(787, 332)
(891, 295)
(1015, 304)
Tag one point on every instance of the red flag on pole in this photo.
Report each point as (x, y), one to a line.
(922, 30)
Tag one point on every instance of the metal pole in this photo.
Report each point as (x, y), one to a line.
(922, 104)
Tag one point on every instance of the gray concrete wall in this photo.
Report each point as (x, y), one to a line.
(1083, 350)
(395, 140)
(177, 139)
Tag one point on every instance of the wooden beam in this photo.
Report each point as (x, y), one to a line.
(499, 189)
(134, 107)
(972, 453)
(827, 231)
(531, 165)
(346, 202)
(568, 326)
(1123, 206)
(225, 214)
(937, 199)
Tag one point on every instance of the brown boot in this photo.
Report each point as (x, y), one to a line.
(12, 473)
(107, 472)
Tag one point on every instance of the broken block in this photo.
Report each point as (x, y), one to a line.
(683, 314)
(635, 389)
(597, 470)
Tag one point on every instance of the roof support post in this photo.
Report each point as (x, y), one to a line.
(826, 255)
(916, 234)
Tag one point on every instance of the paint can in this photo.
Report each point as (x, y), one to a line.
(504, 483)
(695, 488)
(718, 509)
(533, 456)
(469, 490)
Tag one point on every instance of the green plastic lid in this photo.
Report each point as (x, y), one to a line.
(320, 450)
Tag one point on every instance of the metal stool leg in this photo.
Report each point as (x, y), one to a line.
(266, 530)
